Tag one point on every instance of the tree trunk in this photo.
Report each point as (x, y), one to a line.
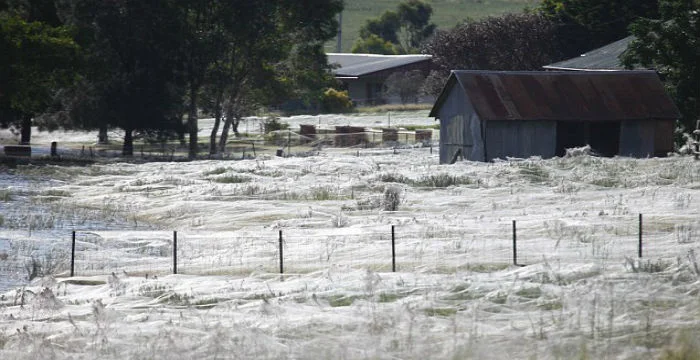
(102, 137)
(192, 123)
(225, 130)
(215, 129)
(26, 131)
(234, 126)
(128, 147)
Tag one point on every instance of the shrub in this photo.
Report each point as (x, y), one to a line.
(334, 101)
(273, 123)
(392, 198)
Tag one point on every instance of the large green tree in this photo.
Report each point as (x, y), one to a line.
(36, 60)
(271, 50)
(131, 74)
(671, 45)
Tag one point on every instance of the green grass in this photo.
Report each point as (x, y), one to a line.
(444, 312)
(446, 14)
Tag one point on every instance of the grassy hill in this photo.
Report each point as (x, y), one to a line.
(446, 13)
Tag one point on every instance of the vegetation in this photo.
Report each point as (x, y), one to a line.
(140, 66)
(583, 25)
(401, 31)
(509, 42)
(335, 101)
(405, 85)
(446, 14)
(669, 45)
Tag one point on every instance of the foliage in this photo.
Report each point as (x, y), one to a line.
(402, 31)
(446, 14)
(415, 24)
(392, 198)
(335, 101)
(273, 123)
(508, 42)
(583, 25)
(373, 44)
(670, 45)
(35, 59)
(405, 85)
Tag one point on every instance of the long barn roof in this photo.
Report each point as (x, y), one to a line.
(356, 65)
(562, 95)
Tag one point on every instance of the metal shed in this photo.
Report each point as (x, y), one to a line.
(364, 74)
(485, 115)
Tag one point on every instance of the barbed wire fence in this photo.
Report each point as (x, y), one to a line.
(486, 244)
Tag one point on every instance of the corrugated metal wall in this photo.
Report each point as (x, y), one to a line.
(460, 128)
(520, 139)
(637, 138)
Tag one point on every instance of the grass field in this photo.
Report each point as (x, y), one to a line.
(584, 292)
(446, 14)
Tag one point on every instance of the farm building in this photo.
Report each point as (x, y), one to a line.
(485, 115)
(601, 59)
(364, 74)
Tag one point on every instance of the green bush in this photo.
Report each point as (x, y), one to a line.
(334, 101)
(273, 123)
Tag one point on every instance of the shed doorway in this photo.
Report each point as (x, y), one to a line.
(602, 136)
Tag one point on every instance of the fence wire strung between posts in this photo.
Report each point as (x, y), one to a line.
(593, 239)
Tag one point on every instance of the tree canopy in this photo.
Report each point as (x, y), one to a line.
(140, 65)
(583, 25)
(36, 59)
(401, 31)
(670, 45)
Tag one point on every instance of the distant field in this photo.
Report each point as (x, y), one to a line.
(446, 13)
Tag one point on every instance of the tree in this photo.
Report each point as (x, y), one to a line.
(583, 25)
(416, 27)
(403, 30)
(670, 45)
(406, 85)
(374, 44)
(508, 42)
(36, 60)
(131, 75)
(271, 50)
(384, 27)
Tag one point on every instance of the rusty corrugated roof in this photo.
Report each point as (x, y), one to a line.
(563, 95)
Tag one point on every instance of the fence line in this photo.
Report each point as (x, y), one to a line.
(394, 248)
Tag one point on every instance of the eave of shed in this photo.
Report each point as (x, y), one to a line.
(356, 65)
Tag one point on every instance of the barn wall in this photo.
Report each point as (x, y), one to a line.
(663, 137)
(520, 139)
(637, 138)
(460, 128)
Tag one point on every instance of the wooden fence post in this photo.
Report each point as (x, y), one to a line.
(640, 236)
(515, 247)
(72, 257)
(174, 252)
(281, 255)
(393, 250)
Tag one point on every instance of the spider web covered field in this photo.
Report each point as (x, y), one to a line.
(584, 293)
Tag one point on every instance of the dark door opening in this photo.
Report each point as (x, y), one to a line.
(570, 134)
(602, 136)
